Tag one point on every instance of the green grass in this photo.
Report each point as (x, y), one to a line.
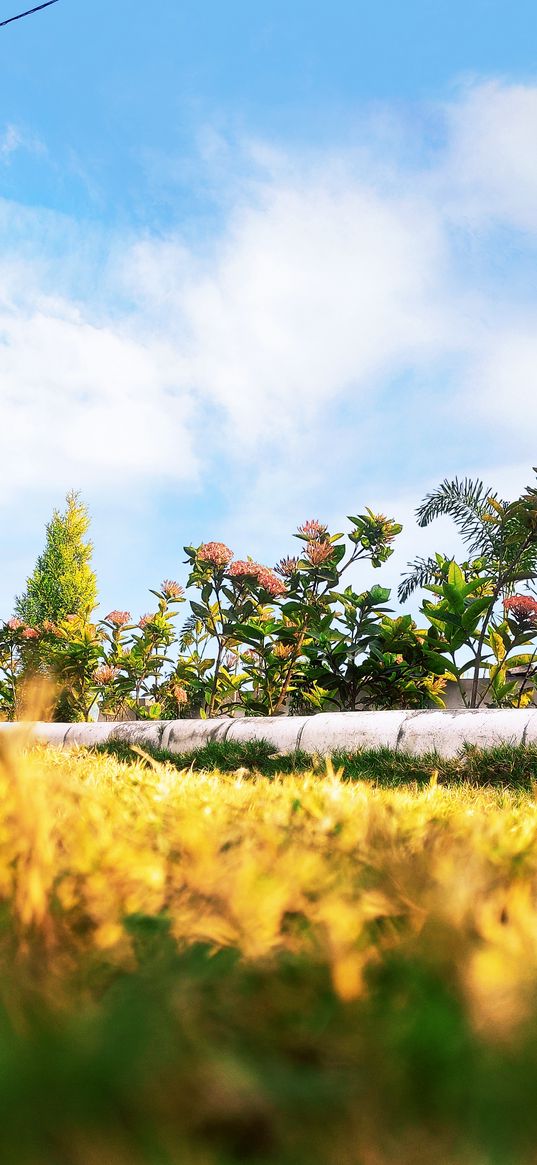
(511, 766)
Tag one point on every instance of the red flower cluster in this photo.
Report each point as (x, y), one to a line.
(217, 553)
(118, 618)
(30, 633)
(522, 608)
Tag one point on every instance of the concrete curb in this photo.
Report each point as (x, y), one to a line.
(443, 732)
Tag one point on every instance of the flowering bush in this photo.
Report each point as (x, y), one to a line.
(264, 640)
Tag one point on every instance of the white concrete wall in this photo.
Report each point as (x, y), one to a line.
(444, 732)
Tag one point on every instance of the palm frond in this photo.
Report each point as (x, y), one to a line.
(420, 573)
(187, 632)
(472, 506)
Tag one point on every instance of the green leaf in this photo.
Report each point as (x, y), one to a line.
(455, 576)
(453, 596)
(199, 609)
(438, 665)
(379, 594)
(338, 553)
(474, 611)
(245, 632)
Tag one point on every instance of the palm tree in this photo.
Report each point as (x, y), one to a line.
(500, 534)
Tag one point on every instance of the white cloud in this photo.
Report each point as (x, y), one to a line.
(10, 140)
(505, 385)
(314, 294)
(338, 310)
(87, 404)
(490, 163)
(13, 138)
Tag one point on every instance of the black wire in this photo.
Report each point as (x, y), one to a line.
(28, 13)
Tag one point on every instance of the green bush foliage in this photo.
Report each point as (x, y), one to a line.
(295, 638)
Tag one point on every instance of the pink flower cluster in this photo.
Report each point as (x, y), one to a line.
(522, 607)
(265, 577)
(180, 693)
(15, 624)
(171, 589)
(118, 618)
(105, 674)
(319, 552)
(50, 627)
(287, 567)
(270, 581)
(313, 529)
(319, 548)
(217, 553)
(243, 569)
(145, 620)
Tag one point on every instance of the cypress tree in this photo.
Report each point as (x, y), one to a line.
(63, 582)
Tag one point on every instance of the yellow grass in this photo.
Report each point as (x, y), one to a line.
(235, 861)
(380, 986)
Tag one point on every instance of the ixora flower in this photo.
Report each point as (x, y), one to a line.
(521, 607)
(265, 577)
(270, 581)
(118, 618)
(385, 528)
(318, 552)
(180, 693)
(171, 589)
(313, 529)
(30, 633)
(242, 569)
(283, 650)
(14, 623)
(146, 620)
(105, 674)
(217, 553)
(287, 567)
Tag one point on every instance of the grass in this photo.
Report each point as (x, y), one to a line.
(511, 765)
(206, 967)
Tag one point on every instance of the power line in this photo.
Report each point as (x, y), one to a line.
(28, 13)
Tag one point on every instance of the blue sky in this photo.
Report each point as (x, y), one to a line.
(260, 263)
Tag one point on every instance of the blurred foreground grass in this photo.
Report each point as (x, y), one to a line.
(203, 968)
